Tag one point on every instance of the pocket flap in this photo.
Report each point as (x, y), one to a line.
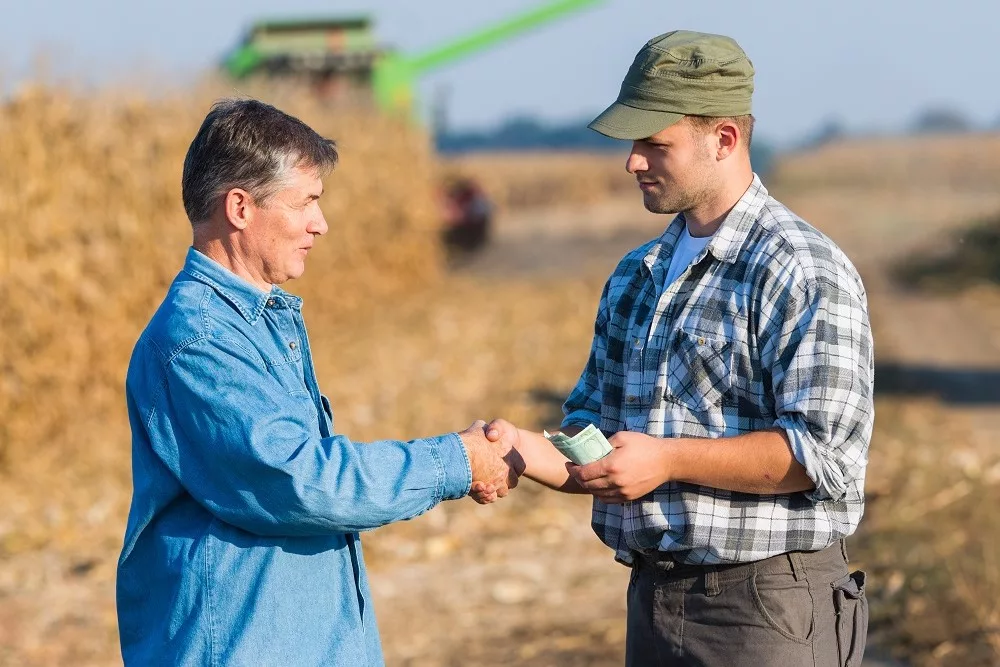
(853, 585)
(698, 370)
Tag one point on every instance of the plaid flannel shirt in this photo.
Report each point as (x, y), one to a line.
(768, 327)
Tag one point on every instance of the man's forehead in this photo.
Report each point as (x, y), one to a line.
(306, 178)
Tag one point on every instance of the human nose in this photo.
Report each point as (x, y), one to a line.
(318, 225)
(635, 162)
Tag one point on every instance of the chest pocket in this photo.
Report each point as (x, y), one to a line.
(699, 370)
(287, 368)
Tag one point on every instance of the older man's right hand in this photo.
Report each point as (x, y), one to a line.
(497, 465)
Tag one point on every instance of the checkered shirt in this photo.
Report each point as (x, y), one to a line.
(768, 327)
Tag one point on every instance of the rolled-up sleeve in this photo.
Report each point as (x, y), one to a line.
(251, 453)
(818, 350)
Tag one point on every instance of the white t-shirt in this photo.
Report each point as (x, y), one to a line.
(685, 251)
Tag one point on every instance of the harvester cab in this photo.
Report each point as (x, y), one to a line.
(335, 58)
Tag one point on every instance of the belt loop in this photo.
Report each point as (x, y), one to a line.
(843, 550)
(712, 582)
(798, 567)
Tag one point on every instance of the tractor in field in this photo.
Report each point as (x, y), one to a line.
(341, 62)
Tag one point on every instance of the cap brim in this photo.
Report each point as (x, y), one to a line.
(620, 121)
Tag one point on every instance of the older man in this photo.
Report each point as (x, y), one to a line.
(732, 362)
(242, 542)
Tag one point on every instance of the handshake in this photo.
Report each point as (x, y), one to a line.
(494, 458)
(499, 453)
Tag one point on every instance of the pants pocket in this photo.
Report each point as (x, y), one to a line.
(786, 605)
(851, 606)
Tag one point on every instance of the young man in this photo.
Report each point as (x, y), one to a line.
(732, 367)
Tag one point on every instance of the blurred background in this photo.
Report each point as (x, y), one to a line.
(474, 219)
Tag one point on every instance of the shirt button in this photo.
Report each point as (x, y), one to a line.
(293, 345)
(270, 303)
(701, 341)
(631, 398)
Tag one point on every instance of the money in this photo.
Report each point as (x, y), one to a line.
(585, 447)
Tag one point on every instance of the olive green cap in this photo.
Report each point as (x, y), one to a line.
(677, 74)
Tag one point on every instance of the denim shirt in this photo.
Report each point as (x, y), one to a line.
(242, 543)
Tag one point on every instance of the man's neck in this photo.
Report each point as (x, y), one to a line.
(705, 219)
(226, 256)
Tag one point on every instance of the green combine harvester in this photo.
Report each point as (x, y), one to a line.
(341, 62)
(340, 59)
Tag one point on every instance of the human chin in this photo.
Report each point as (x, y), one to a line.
(296, 267)
(654, 203)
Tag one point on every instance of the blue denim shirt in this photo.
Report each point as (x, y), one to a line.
(242, 544)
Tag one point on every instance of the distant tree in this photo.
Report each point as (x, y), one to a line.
(829, 131)
(941, 121)
(528, 133)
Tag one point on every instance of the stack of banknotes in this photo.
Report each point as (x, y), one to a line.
(585, 447)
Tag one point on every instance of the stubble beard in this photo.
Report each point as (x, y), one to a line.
(680, 201)
(670, 203)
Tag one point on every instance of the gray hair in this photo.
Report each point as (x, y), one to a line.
(247, 144)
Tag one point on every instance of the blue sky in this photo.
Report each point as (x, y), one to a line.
(870, 64)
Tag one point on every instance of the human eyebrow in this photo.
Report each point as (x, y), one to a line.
(662, 144)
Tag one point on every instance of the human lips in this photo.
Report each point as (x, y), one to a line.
(647, 185)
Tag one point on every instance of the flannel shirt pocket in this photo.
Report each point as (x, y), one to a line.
(699, 370)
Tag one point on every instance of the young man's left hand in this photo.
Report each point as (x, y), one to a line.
(638, 464)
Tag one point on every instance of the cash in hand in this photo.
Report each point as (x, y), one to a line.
(585, 447)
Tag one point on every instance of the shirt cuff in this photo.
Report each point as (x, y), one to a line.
(582, 418)
(455, 467)
(825, 474)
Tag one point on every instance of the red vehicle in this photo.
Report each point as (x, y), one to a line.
(468, 215)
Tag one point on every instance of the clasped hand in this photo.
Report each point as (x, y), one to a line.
(495, 462)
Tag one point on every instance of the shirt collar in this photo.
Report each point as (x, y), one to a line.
(663, 249)
(728, 239)
(248, 299)
(732, 234)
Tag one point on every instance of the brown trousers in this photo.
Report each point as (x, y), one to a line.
(800, 609)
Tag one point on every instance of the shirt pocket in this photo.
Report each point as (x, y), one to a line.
(699, 370)
(287, 370)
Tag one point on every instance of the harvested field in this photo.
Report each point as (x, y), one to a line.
(93, 229)
(530, 180)
(962, 163)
